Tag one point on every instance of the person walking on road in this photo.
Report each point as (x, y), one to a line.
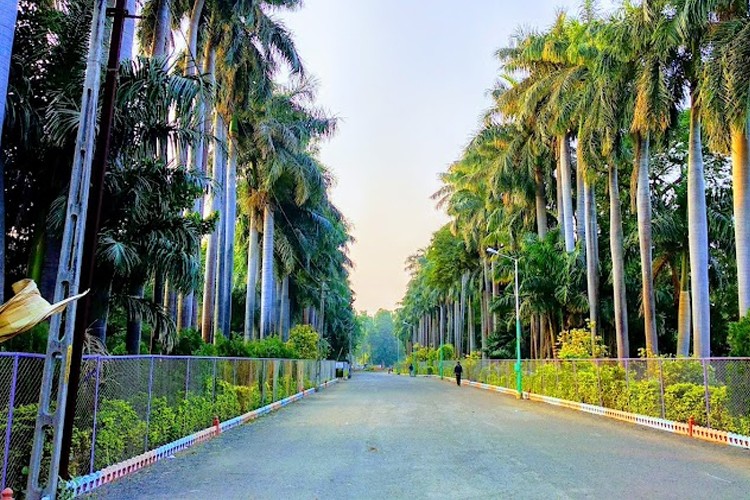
(458, 370)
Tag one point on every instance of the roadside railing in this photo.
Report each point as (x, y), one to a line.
(128, 405)
(714, 391)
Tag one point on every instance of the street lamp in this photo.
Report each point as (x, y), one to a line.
(519, 381)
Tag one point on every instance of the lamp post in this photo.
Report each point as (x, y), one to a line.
(440, 351)
(519, 375)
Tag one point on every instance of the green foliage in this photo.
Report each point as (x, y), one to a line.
(189, 341)
(379, 344)
(120, 433)
(739, 337)
(577, 343)
(35, 340)
(303, 340)
(270, 347)
(639, 391)
(447, 352)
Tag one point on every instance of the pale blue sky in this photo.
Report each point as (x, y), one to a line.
(408, 78)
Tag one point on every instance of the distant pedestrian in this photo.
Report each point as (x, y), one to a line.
(411, 370)
(458, 370)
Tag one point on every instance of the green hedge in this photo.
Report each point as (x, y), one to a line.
(640, 390)
(122, 428)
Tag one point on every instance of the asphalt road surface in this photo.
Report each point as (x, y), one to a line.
(383, 436)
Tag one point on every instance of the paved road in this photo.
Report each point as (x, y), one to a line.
(382, 436)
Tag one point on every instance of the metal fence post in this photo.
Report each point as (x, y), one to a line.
(627, 383)
(599, 381)
(275, 379)
(187, 378)
(234, 372)
(96, 409)
(575, 380)
(11, 404)
(558, 367)
(661, 388)
(213, 386)
(707, 393)
(263, 381)
(148, 404)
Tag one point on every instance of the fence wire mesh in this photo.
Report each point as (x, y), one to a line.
(128, 405)
(715, 392)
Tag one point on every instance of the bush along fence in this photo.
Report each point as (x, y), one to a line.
(131, 405)
(713, 394)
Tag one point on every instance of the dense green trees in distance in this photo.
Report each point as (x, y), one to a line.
(614, 165)
(218, 220)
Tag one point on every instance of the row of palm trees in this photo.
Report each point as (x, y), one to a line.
(578, 103)
(215, 192)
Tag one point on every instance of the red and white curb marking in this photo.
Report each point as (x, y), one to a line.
(682, 428)
(85, 484)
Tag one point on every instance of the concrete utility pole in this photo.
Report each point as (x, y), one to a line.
(59, 344)
(64, 349)
(93, 223)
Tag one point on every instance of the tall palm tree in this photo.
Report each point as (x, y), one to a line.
(693, 32)
(725, 97)
(653, 109)
(252, 45)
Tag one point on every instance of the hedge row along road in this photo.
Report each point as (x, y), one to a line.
(383, 436)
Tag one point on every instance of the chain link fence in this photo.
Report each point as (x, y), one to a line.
(714, 391)
(128, 405)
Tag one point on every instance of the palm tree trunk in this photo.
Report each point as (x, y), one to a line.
(495, 293)
(698, 239)
(462, 310)
(252, 280)
(618, 265)
(197, 159)
(581, 212)
(211, 272)
(741, 191)
(483, 309)
(8, 13)
(128, 32)
(643, 204)
(191, 65)
(322, 309)
(171, 303)
(566, 195)
(266, 285)
(161, 29)
(158, 299)
(230, 216)
(442, 321)
(683, 311)
(284, 307)
(489, 291)
(179, 321)
(558, 197)
(220, 261)
(470, 318)
(592, 271)
(100, 293)
(457, 325)
(187, 311)
(134, 324)
(541, 203)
